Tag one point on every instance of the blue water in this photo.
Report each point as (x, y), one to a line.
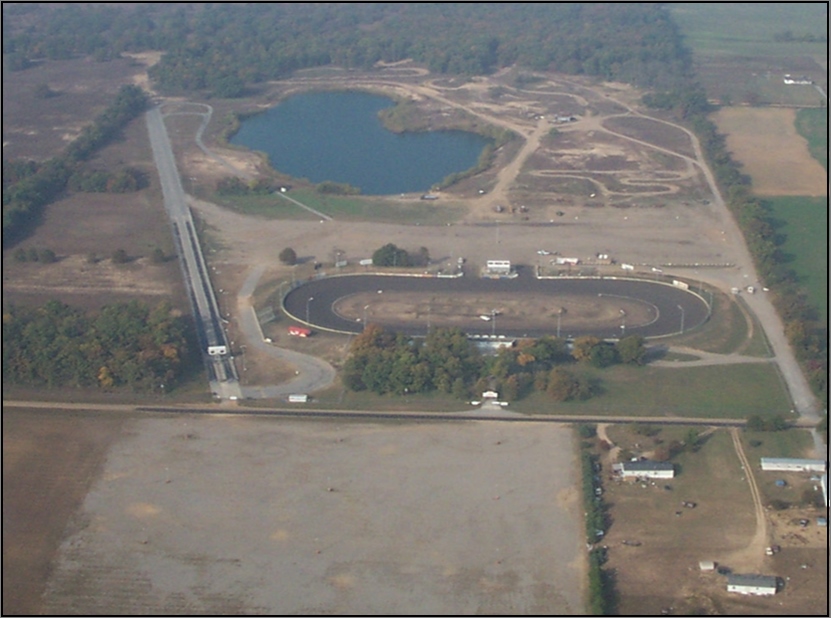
(338, 136)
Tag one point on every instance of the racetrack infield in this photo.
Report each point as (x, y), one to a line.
(521, 307)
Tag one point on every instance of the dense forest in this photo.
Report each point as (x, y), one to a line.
(225, 47)
(123, 345)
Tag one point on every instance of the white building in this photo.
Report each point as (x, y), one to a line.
(759, 585)
(645, 469)
(499, 267)
(788, 464)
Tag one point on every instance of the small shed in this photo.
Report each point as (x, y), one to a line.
(757, 585)
(707, 565)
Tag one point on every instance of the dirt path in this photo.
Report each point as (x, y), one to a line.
(749, 559)
(507, 176)
(706, 359)
(614, 451)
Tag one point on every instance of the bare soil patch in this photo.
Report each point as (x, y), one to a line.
(345, 518)
(653, 132)
(531, 311)
(772, 152)
(49, 463)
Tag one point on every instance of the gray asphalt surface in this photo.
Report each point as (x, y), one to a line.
(664, 300)
(312, 373)
(206, 313)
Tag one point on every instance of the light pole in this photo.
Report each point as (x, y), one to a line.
(309, 300)
(559, 315)
(365, 308)
(682, 318)
(622, 322)
(493, 322)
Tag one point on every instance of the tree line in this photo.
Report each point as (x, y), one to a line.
(224, 48)
(385, 362)
(123, 345)
(30, 186)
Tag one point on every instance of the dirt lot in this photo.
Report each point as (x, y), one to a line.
(171, 515)
(786, 169)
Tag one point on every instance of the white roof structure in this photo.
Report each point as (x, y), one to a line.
(758, 585)
(647, 469)
(790, 464)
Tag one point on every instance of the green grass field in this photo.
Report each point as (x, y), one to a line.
(736, 55)
(791, 443)
(748, 29)
(720, 391)
(812, 124)
(803, 221)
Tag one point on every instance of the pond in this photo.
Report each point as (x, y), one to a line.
(338, 136)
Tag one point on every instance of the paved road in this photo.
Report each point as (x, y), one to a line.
(222, 373)
(313, 374)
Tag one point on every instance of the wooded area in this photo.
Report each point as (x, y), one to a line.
(447, 361)
(128, 345)
(226, 47)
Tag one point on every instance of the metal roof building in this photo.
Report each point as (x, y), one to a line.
(646, 469)
(758, 585)
(789, 464)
